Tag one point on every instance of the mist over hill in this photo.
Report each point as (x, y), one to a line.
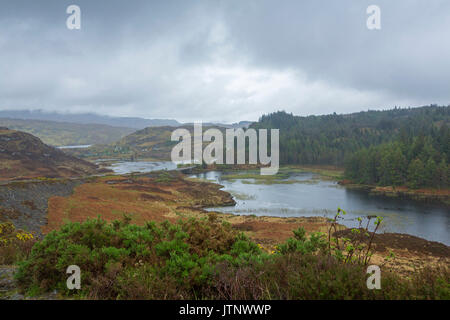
(57, 133)
(87, 118)
(93, 118)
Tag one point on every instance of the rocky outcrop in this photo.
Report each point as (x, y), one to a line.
(25, 204)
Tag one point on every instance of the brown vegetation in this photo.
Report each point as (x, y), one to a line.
(424, 194)
(171, 197)
(23, 156)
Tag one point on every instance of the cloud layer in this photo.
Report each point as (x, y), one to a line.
(223, 60)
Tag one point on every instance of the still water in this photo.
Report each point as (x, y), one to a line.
(311, 196)
(84, 146)
(125, 167)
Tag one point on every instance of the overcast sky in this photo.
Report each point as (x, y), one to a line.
(225, 61)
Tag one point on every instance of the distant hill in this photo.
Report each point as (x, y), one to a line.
(313, 140)
(23, 156)
(87, 118)
(332, 139)
(92, 118)
(241, 124)
(149, 143)
(67, 134)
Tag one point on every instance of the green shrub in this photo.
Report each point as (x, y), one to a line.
(300, 243)
(185, 252)
(205, 259)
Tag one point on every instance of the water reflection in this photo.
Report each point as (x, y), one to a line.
(315, 197)
(141, 166)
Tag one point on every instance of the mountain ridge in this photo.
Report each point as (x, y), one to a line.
(86, 118)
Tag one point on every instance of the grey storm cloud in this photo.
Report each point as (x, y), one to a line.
(223, 60)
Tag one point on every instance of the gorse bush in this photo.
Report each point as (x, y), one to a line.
(204, 259)
(300, 243)
(185, 253)
(14, 244)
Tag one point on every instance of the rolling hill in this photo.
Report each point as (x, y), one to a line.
(152, 143)
(65, 133)
(313, 140)
(58, 129)
(149, 143)
(23, 156)
(87, 118)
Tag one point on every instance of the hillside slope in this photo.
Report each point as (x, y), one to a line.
(332, 139)
(23, 156)
(152, 143)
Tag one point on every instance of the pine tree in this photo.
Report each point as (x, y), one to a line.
(416, 174)
(443, 174)
(431, 173)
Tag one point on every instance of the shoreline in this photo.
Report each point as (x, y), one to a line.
(170, 195)
(440, 196)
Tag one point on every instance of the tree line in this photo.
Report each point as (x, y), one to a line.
(415, 161)
(390, 147)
